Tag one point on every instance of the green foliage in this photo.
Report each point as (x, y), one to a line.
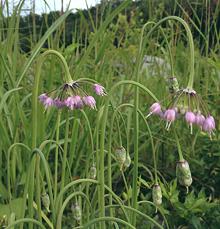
(43, 176)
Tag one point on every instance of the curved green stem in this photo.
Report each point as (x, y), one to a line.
(35, 116)
(25, 220)
(97, 220)
(102, 146)
(190, 40)
(47, 172)
(168, 46)
(36, 88)
(140, 213)
(60, 214)
(71, 184)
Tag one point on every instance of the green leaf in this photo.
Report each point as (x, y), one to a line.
(14, 207)
(40, 43)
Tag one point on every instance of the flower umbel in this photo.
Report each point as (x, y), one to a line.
(185, 103)
(72, 96)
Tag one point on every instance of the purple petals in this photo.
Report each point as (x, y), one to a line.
(74, 102)
(190, 117)
(89, 101)
(42, 97)
(200, 120)
(78, 101)
(48, 102)
(170, 115)
(99, 90)
(155, 109)
(59, 103)
(209, 124)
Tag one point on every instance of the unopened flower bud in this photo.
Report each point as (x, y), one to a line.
(77, 214)
(127, 162)
(157, 194)
(173, 85)
(92, 172)
(46, 201)
(120, 154)
(183, 173)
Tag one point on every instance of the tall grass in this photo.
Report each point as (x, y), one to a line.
(60, 169)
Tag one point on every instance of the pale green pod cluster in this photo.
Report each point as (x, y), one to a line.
(157, 194)
(123, 158)
(76, 210)
(92, 172)
(183, 173)
(46, 201)
(173, 85)
(127, 162)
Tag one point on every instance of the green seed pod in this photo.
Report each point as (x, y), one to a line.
(127, 162)
(157, 194)
(183, 173)
(173, 85)
(76, 210)
(46, 201)
(92, 172)
(120, 154)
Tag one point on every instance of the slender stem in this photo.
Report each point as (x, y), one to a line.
(126, 186)
(190, 40)
(155, 162)
(36, 88)
(38, 188)
(134, 203)
(57, 153)
(63, 175)
(31, 192)
(102, 146)
(35, 120)
(102, 168)
(178, 147)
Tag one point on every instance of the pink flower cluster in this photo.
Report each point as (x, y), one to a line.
(207, 123)
(74, 101)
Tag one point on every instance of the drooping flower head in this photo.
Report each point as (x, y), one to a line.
(199, 119)
(187, 104)
(59, 103)
(89, 101)
(48, 102)
(74, 102)
(72, 96)
(155, 109)
(99, 90)
(190, 118)
(169, 116)
(42, 97)
(209, 124)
